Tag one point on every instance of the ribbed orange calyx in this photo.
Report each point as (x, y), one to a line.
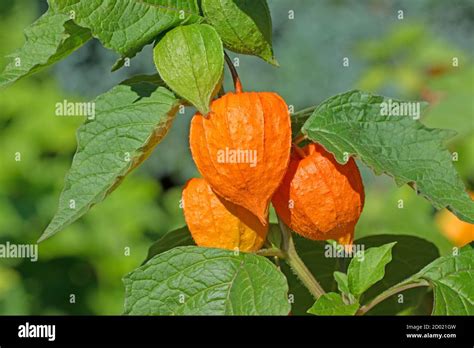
(242, 147)
(217, 223)
(319, 198)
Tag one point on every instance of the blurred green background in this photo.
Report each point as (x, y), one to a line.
(407, 59)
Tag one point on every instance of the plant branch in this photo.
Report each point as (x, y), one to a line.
(271, 252)
(303, 273)
(305, 111)
(235, 75)
(390, 292)
(297, 265)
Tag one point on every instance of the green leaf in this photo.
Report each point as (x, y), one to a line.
(452, 279)
(332, 304)
(365, 271)
(125, 26)
(409, 256)
(245, 26)
(52, 37)
(343, 287)
(342, 282)
(190, 59)
(129, 121)
(201, 281)
(172, 239)
(351, 124)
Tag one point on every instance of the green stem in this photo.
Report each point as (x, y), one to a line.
(271, 252)
(390, 292)
(303, 273)
(305, 111)
(297, 265)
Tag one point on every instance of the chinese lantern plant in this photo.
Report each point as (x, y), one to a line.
(252, 154)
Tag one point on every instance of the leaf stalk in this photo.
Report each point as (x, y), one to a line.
(388, 293)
